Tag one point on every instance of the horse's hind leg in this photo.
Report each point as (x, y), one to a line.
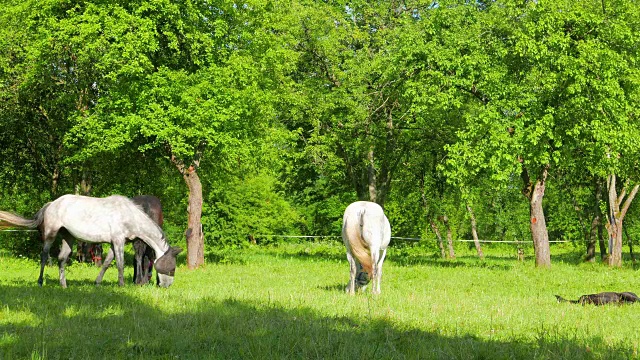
(137, 269)
(147, 264)
(353, 269)
(118, 250)
(48, 236)
(105, 265)
(375, 257)
(139, 248)
(378, 277)
(44, 256)
(65, 251)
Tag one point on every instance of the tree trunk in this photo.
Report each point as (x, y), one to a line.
(539, 227)
(55, 180)
(630, 242)
(371, 176)
(539, 234)
(613, 227)
(601, 244)
(429, 217)
(86, 251)
(591, 240)
(194, 235)
(445, 220)
(95, 250)
(595, 231)
(616, 216)
(474, 232)
(435, 229)
(615, 243)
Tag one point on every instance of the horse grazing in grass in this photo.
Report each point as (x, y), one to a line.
(366, 234)
(114, 220)
(144, 257)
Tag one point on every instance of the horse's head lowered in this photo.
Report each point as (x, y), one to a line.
(166, 266)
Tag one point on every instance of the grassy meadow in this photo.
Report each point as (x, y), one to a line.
(288, 302)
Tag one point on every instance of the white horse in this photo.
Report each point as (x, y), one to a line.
(114, 219)
(366, 234)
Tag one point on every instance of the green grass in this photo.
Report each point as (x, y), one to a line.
(288, 302)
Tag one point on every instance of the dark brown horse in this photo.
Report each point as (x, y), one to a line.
(144, 256)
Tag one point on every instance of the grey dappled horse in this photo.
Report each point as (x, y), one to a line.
(114, 220)
(144, 256)
(366, 233)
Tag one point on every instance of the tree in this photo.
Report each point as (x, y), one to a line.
(365, 93)
(617, 211)
(189, 82)
(546, 102)
(44, 84)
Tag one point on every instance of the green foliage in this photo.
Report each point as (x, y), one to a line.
(251, 208)
(21, 244)
(290, 110)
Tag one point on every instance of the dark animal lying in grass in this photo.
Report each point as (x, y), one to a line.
(603, 298)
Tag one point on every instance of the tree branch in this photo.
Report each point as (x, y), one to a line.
(627, 203)
(175, 161)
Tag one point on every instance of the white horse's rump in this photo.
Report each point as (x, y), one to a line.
(366, 234)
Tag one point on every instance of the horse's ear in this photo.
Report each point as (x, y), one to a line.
(175, 250)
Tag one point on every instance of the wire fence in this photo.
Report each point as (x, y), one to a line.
(406, 239)
(401, 238)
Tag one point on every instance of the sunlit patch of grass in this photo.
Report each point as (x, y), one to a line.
(17, 316)
(7, 339)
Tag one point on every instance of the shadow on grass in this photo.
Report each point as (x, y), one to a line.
(88, 322)
(490, 262)
(217, 257)
(504, 259)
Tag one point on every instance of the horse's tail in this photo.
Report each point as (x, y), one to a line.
(8, 219)
(561, 299)
(358, 247)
